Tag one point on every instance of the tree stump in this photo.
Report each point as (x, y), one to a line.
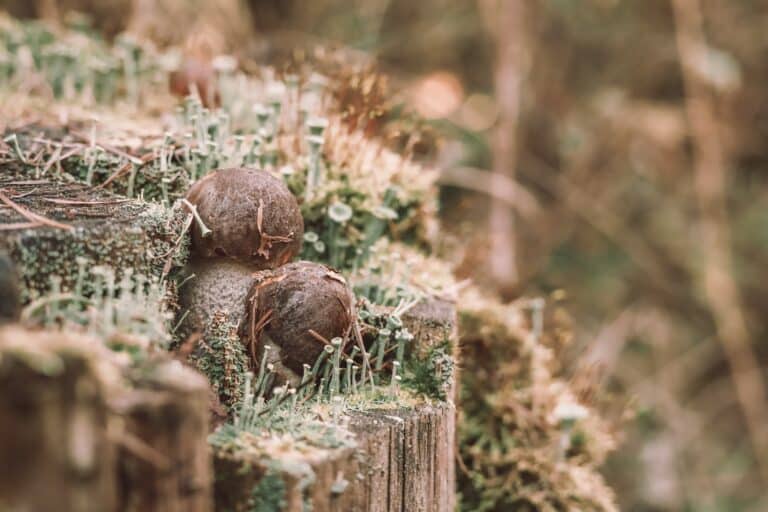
(55, 453)
(106, 230)
(402, 459)
(164, 460)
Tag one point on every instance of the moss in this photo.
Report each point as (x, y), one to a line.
(509, 435)
(223, 359)
(123, 235)
(269, 494)
(432, 374)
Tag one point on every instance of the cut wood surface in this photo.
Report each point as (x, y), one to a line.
(106, 230)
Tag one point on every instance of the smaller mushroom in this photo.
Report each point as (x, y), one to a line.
(297, 308)
(252, 215)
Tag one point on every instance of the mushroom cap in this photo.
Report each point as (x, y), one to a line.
(292, 300)
(253, 216)
(194, 71)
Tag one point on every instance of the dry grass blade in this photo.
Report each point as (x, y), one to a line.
(75, 202)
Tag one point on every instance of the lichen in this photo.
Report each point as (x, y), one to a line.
(144, 238)
(519, 455)
(433, 374)
(269, 493)
(222, 358)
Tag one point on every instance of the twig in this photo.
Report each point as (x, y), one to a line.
(25, 194)
(76, 202)
(110, 149)
(144, 159)
(120, 171)
(498, 186)
(58, 157)
(511, 66)
(319, 337)
(26, 182)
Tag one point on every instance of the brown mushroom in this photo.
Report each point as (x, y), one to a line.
(194, 74)
(298, 308)
(253, 217)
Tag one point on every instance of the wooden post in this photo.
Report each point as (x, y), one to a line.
(54, 447)
(110, 230)
(403, 458)
(164, 461)
(403, 461)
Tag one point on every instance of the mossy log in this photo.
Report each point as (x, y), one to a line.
(55, 452)
(101, 228)
(402, 459)
(164, 459)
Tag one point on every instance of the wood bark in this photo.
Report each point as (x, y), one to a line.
(403, 461)
(55, 452)
(164, 460)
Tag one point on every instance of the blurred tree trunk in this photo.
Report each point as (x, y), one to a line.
(507, 21)
(716, 276)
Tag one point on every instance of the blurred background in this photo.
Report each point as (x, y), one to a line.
(609, 153)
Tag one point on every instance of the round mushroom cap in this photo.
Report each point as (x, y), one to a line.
(285, 304)
(253, 216)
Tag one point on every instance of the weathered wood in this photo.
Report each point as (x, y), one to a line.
(432, 323)
(54, 448)
(403, 459)
(164, 462)
(107, 230)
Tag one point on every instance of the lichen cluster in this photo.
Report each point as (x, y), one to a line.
(526, 441)
(223, 360)
(353, 189)
(76, 64)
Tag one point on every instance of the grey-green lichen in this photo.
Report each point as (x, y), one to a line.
(432, 374)
(222, 358)
(269, 493)
(147, 239)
